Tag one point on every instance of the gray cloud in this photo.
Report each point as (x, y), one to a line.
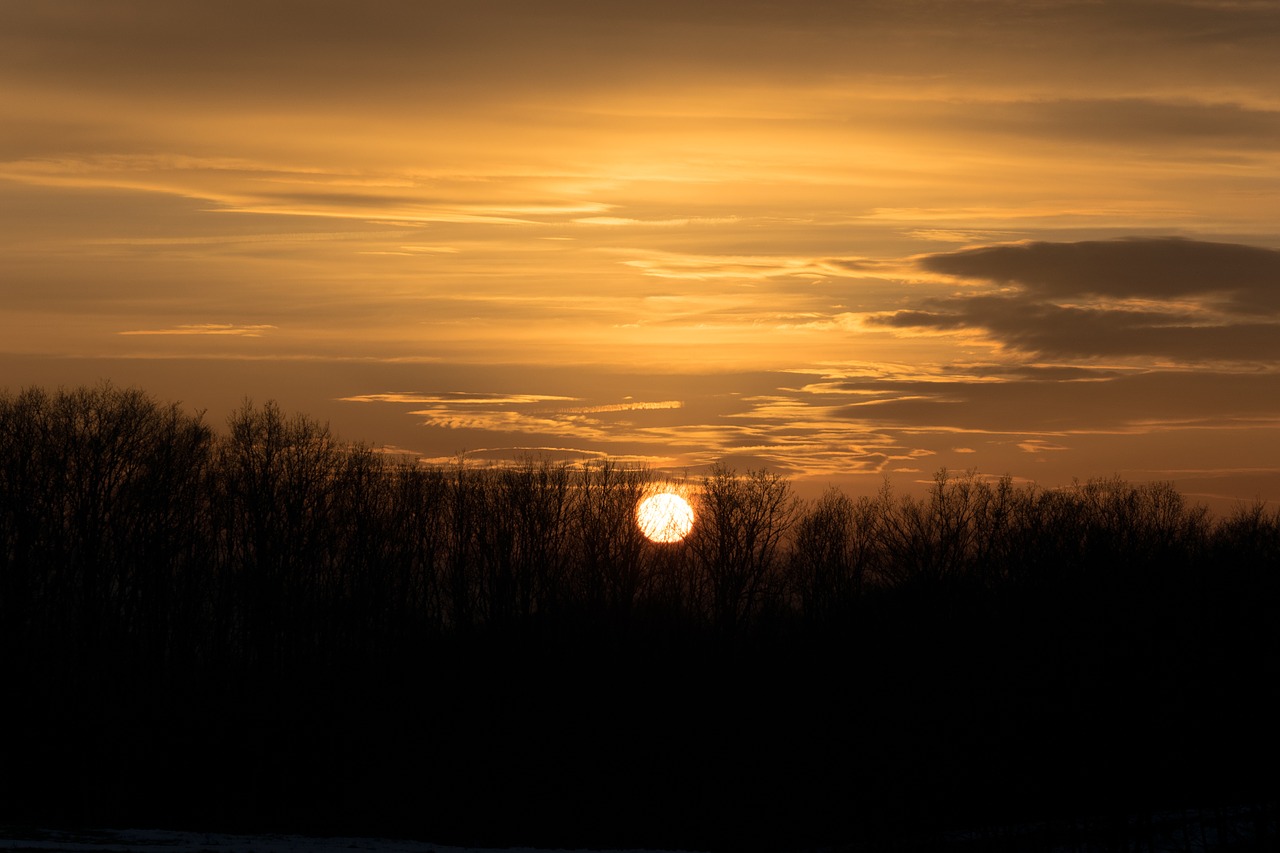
(1098, 298)
(1247, 277)
(323, 51)
(1042, 372)
(1162, 125)
(1069, 332)
(1143, 402)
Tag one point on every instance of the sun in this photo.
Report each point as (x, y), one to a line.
(664, 517)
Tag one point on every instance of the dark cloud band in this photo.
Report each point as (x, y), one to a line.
(1170, 298)
(1247, 277)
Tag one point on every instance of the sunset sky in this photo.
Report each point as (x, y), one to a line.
(843, 240)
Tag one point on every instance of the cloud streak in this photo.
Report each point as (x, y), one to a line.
(216, 329)
(455, 398)
(868, 423)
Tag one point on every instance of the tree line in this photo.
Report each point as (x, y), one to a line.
(172, 594)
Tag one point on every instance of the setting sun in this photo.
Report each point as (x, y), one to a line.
(664, 517)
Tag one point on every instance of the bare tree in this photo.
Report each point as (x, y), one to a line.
(469, 508)
(419, 547)
(834, 546)
(100, 510)
(274, 491)
(737, 542)
(962, 530)
(526, 534)
(608, 572)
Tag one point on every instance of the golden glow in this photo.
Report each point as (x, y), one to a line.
(434, 228)
(664, 517)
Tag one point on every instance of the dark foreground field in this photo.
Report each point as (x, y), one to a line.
(264, 630)
(1178, 831)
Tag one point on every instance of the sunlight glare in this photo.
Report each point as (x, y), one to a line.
(664, 517)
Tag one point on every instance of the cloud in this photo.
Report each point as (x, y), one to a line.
(1138, 403)
(786, 430)
(421, 48)
(1055, 331)
(1037, 445)
(981, 414)
(953, 235)
(1246, 278)
(1158, 124)
(616, 221)
(455, 398)
(626, 407)
(227, 329)
(1179, 299)
(673, 265)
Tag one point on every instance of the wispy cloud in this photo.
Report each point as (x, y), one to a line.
(226, 329)
(634, 406)
(456, 398)
(621, 221)
(704, 267)
(1039, 445)
(953, 235)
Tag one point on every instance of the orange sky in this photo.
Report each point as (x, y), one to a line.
(846, 240)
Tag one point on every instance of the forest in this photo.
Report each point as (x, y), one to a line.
(260, 626)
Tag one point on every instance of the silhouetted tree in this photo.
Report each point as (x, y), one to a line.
(526, 534)
(100, 506)
(959, 531)
(418, 547)
(737, 542)
(607, 570)
(283, 620)
(836, 542)
(276, 528)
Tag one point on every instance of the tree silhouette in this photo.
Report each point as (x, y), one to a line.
(607, 572)
(313, 636)
(737, 543)
(835, 547)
